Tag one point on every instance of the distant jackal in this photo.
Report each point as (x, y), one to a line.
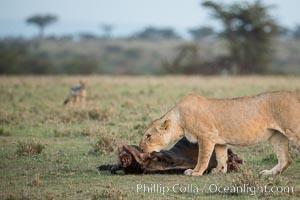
(77, 93)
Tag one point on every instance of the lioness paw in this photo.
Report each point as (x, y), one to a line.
(267, 172)
(188, 172)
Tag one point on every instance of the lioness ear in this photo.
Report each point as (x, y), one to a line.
(166, 124)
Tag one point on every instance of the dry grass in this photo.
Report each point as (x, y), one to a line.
(36, 181)
(66, 132)
(109, 194)
(104, 145)
(29, 148)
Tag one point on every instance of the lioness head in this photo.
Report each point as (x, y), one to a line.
(156, 136)
(159, 134)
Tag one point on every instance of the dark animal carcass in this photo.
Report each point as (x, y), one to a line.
(183, 155)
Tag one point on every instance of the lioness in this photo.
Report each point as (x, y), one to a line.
(214, 123)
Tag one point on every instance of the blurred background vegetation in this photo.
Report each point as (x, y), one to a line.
(251, 41)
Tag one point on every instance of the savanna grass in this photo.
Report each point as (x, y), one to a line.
(119, 109)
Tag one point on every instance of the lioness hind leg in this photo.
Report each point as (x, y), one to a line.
(293, 136)
(205, 151)
(221, 155)
(280, 144)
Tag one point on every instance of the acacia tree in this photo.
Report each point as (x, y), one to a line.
(201, 32)
(154, 33)
(296, 32)
(249, 29)
(41, 21)
(107, 30)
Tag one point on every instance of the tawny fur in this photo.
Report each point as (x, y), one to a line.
(244, 121)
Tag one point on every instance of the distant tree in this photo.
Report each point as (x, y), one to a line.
(188, 61)
(201, 32)
(152, 33)
(82, 64)
(186, 56)
(12, 56)
(249, 29)
(107, 30)
(41, 21)
(66, 37)
(16, 57)
(87, 36)
(284, 32)
(296, 32)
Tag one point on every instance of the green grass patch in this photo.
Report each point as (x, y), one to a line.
(4, 132)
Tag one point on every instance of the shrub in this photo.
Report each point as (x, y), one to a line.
(89, 131)
(100, 114)
(113, 194)
(62, 133)
(104, 145)
(29, 148)
(82, 64)
(4, 132)
(109, 193)
(36, 181)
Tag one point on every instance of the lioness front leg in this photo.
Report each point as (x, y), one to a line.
(206, 148)
(221, 155)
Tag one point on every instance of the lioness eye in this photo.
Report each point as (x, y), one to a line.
(148, 136)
